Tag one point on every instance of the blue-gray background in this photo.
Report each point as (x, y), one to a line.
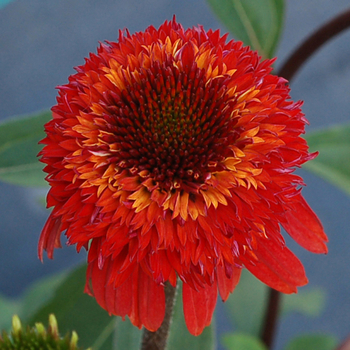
(41, 42)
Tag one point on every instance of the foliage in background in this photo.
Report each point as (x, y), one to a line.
(3, 3)
(256, 23)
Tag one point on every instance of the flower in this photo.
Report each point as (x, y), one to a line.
(37, 337)
(171, 153)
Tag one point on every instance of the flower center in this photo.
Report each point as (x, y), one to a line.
(174, 124)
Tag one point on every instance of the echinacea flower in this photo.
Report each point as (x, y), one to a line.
(171, 154)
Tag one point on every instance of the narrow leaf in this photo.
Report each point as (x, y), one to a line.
(313, 341)
(39, 293)
(19, 137)
(242, 341)
(332, 163)
(257, 23)
(34, 297)
(8, 308)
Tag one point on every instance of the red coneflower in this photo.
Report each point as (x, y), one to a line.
(171, 154)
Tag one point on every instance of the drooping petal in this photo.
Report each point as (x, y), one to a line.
(227, 284)
(151, 300)
(305, 228)
(50, 237)
(198, 307)
(277, 266)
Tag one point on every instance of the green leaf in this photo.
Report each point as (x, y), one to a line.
(309, 302)
(8, 308)
(242, 341)
(39, 293)
(313, 342)
(30, 301)
(246, 306)
(257, 23)
(126, 336)
(180, 338)
(77, 311)
(19, 137)
(332, 163)
(3, 3)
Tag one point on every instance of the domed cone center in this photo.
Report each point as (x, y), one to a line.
(175, 125)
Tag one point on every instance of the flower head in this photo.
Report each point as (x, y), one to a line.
(171, 154)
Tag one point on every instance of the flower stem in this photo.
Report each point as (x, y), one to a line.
(271, 316)
(313, 43)
(158, 340)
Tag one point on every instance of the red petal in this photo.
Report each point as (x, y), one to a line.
(139, 296)
(50, 237)
(119, 300)
(305, 227)
(151, 299)
(187, 54)
(227, 284)
(198, 307)
(277, 267)
(99, 282)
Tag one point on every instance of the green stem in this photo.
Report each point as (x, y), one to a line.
(158, 340)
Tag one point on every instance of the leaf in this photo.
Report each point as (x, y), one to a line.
(30, 301)
(242, 341)
(126, 336)
(3, 3)
(19, 137)
(332, 163)
(39, 293)
(313, 342)
(257, 23)
(246, 306)
(307, 302)
(77, 311)
(180, 338)
(8, 308)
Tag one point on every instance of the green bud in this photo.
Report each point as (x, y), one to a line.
(38, 337)
(16, 325)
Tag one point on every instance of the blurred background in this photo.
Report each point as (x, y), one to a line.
(41, 42)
